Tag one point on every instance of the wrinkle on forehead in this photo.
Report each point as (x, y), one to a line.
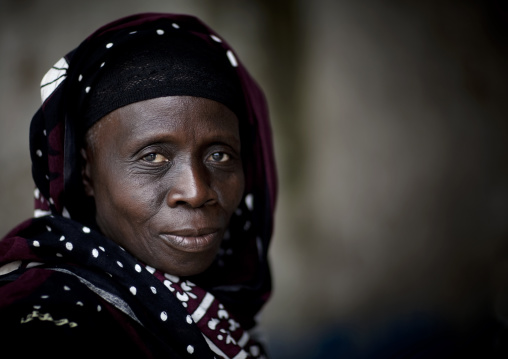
(151, 119)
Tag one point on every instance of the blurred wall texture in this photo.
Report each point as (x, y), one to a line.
(390, 122)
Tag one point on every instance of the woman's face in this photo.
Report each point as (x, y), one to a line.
(166, 175)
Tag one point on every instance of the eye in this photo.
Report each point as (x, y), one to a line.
(219, 157)
(154, 158)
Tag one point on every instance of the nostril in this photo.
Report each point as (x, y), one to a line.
(192, 198)
(194, 204)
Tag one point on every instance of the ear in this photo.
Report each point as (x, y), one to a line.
(86, 172)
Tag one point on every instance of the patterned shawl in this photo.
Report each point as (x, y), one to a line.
(60, 277)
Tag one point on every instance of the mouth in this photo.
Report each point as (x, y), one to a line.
(193, 241)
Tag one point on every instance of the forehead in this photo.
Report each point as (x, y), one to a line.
(193, 117)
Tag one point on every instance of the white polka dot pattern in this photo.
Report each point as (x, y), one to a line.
(164, 316)
(215, 38)
(232, 58)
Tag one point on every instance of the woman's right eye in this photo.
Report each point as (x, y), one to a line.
(154, 158)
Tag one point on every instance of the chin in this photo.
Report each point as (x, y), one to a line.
(188, 268)
(184, 272)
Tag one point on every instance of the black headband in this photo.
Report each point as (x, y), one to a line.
(159, 64)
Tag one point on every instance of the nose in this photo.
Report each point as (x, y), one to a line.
(190, 186)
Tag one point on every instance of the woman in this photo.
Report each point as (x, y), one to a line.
(155, 193)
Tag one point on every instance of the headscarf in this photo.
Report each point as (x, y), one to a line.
(238, 283)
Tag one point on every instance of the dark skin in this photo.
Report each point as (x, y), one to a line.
(166, 175)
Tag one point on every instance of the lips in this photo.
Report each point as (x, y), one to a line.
(193, 240)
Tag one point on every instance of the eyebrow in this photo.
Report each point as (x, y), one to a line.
(140, 141)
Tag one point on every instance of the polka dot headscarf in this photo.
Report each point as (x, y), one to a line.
(240, 276)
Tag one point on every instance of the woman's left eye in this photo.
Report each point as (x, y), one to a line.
(219, 157)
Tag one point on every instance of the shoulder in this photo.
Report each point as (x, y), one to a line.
(44, 311)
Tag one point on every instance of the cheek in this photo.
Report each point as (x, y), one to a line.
(231, 191)
(124, 204)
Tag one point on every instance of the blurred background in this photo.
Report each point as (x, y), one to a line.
(390, 126)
